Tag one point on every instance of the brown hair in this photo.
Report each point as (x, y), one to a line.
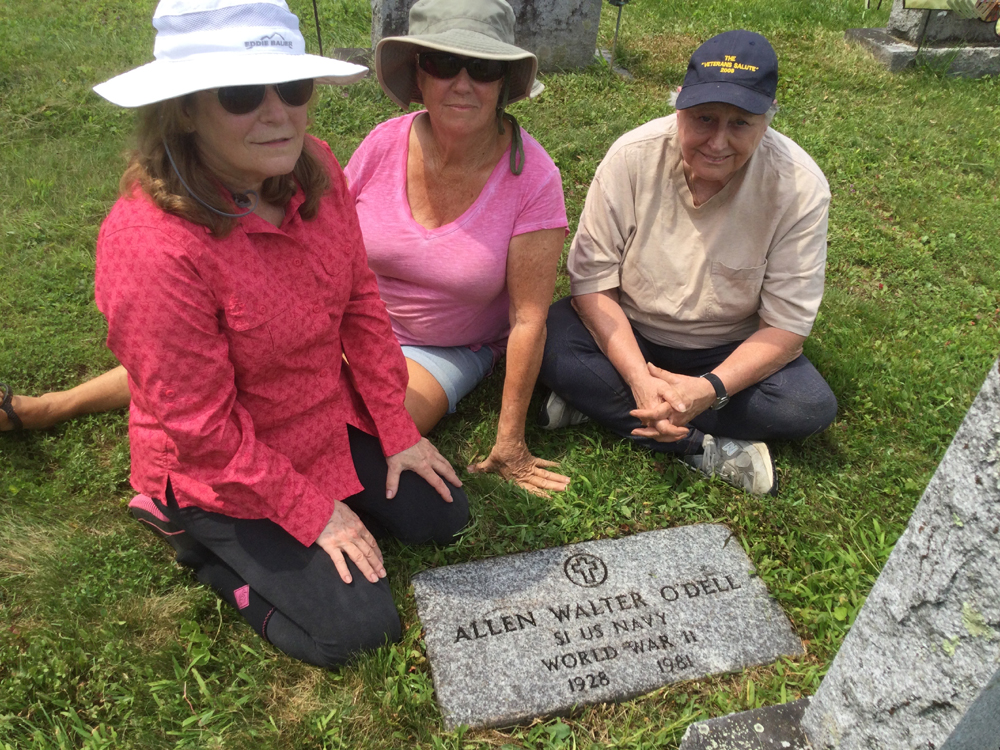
(150, 168)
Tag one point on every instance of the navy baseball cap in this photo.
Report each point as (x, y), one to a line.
(735, 67)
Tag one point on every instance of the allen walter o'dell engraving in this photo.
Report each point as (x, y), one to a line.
(527, 635)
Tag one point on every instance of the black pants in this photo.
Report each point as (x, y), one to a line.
(792, 404)
(292, 595)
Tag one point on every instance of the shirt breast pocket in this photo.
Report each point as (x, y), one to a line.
(735, 291)
(254, 330)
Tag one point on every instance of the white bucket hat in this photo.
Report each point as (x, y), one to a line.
(207, 44)
(473, 28)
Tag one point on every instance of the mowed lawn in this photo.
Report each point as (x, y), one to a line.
(105, 642)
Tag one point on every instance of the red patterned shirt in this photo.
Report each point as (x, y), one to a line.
(240, 393)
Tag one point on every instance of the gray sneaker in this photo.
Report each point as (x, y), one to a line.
(556, 414)
(745, 464)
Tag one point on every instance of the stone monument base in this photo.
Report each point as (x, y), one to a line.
(966, 61)
(762, 728)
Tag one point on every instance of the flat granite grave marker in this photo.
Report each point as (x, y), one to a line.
(920, 667)
(520, 636)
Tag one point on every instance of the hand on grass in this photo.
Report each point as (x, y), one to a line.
(424, 459)
(515, 463)
(346, 535)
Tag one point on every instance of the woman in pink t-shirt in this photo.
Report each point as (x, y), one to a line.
(463, 219)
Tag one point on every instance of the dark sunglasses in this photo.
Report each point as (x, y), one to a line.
(445, 65)
(241, 100)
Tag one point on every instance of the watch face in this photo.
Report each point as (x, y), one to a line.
(720, 402)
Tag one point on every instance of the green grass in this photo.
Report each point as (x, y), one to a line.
(104, 642)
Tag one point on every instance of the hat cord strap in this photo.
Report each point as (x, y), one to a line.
(240, 199)
(516, 143)
(516, 146)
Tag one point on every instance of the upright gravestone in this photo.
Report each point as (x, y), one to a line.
(921, 663)
(920, 667)
(561, 33)
(520, 636)
(968, 46)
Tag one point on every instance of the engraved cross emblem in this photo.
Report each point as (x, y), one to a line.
(590, 574)
(586, 570)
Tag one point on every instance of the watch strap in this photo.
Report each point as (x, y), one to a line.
(721, 396)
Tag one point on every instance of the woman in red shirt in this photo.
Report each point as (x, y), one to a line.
(267, 417)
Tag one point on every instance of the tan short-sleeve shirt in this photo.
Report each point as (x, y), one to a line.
(697, 277)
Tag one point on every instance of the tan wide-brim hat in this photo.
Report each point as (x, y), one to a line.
(471, 28)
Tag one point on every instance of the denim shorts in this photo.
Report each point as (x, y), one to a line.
(457, 369)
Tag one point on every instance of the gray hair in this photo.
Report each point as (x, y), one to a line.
(768, 116)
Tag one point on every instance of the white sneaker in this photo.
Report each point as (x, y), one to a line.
(556, 414)
(745, 464)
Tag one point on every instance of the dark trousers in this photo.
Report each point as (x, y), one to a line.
(792, 404)
(292, 595)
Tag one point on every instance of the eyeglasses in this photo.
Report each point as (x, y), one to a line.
(241, 100)
(445, 65)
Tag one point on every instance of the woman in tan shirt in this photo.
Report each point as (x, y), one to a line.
(696, 274)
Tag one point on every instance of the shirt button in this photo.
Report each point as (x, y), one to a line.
(317, 309)
(169, 393)
(297, 263)
(262, 309)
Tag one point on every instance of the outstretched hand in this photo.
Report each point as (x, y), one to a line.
(424, 459)
(515, 463)
(346, 535)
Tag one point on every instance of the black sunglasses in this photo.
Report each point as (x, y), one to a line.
(445, 65)
(241, 100)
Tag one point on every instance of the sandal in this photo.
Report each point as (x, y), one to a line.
(5, 405)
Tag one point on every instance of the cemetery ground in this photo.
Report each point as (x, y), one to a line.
(105, 642)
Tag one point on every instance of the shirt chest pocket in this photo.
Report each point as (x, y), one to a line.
(254, 327)
(735, 291)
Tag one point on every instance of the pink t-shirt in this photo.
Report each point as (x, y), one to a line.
(448, 286)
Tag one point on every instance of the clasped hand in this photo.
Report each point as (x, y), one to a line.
(667, 402)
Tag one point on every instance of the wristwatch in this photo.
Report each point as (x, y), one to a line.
(721, 397)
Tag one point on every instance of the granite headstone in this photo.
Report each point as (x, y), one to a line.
(938, 26)
(921, 664)
(964, 46)
(920, 667)
(561, 33)
(520, 636)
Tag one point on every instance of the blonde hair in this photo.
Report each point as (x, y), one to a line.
(149, 168)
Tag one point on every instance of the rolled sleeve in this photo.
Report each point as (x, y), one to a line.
(796, 263)
(605, 231)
